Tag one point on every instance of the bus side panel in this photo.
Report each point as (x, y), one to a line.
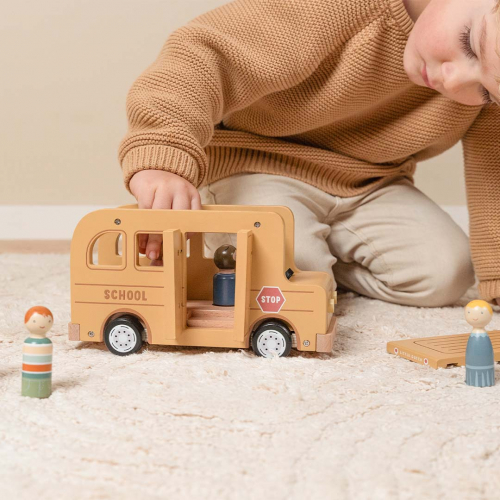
(243, 282)
(93, 303)
(303, 309)
(173, 277)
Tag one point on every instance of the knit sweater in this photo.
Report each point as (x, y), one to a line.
(310, 89)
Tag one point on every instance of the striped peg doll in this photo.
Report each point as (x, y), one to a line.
(479, 356)
(37, 354)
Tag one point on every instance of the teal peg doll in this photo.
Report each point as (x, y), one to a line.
(479, 357)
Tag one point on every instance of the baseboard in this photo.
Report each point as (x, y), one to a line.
(35, 246)
(57, 222)
(41, 222)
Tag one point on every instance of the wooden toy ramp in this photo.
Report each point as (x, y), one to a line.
(439, 352)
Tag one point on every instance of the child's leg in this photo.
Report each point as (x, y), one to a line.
(397, 245)
(309, 205)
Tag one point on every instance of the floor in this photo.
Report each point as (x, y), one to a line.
(222, 424)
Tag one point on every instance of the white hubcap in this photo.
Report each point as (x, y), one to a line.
(122, 338)
(271, 343)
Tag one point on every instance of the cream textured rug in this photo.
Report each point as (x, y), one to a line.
(203, 423)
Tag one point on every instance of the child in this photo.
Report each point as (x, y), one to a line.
(326, 106)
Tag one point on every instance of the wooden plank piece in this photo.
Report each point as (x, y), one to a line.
(211, 322)
(207, 309)
(439, 352)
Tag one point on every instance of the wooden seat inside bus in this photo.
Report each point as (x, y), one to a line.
(202, 313)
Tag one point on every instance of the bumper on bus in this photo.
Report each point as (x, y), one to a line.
(73, 331)
(324, 341)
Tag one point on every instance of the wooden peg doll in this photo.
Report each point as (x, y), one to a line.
(37, 354)
(479, 358)
(224, 281)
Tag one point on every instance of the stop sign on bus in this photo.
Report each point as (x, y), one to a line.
(270, 299)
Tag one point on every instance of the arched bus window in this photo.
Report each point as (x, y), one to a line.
(107, 251)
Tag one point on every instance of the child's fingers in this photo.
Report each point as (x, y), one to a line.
(143, 241)
(196, 202)
(163, 199)
(154, 246)
(195, 205)
(145, 198)
(181, 201)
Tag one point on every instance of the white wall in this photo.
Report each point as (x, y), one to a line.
(66, 68)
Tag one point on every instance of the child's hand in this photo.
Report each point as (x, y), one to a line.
(161, 190)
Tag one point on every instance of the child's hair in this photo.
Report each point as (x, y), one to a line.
(37, 309)
(480, 303)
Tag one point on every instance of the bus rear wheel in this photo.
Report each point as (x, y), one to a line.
(271, 339)
(123, 335)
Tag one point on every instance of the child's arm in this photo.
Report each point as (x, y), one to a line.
(217, 64)
(482, 177)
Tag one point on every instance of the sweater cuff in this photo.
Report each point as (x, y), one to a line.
(165, 158)
(489, 290)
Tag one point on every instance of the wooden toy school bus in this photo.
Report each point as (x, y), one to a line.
(119, 297)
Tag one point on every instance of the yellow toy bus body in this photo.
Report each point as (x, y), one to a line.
(119, 297)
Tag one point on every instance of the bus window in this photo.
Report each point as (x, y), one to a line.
(107, 250)
(200, 265)
(212, 241)
(142, 261)
(119, 245)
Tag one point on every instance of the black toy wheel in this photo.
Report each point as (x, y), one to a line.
(123, 335)
(271, 339)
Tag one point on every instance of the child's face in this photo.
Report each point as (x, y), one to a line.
(439, 45)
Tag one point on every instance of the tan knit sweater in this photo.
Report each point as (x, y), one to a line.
(314, 90)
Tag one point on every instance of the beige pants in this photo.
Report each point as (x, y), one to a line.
(393, 244)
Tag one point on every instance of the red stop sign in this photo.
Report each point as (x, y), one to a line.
(270, 299)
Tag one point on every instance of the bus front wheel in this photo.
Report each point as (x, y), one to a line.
(123, 335)
(271, 339)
